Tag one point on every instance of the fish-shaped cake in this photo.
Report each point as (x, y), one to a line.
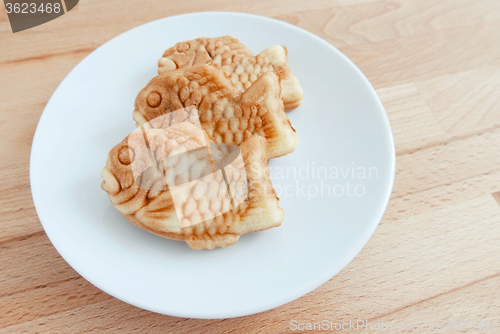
(229, 116)
(237, 62)
(148, 200)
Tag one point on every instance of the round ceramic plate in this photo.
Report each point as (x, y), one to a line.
(334, 188)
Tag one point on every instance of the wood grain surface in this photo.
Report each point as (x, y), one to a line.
(436, 254)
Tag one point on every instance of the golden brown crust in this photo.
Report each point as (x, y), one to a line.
(228, 116)
(237, 62)
(154, 210)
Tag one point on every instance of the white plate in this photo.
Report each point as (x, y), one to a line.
(341, 124)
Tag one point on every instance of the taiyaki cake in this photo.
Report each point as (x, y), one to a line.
(229, 116)
(169, 177)
(237, 62)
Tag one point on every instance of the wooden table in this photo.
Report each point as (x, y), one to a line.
(436, 254)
